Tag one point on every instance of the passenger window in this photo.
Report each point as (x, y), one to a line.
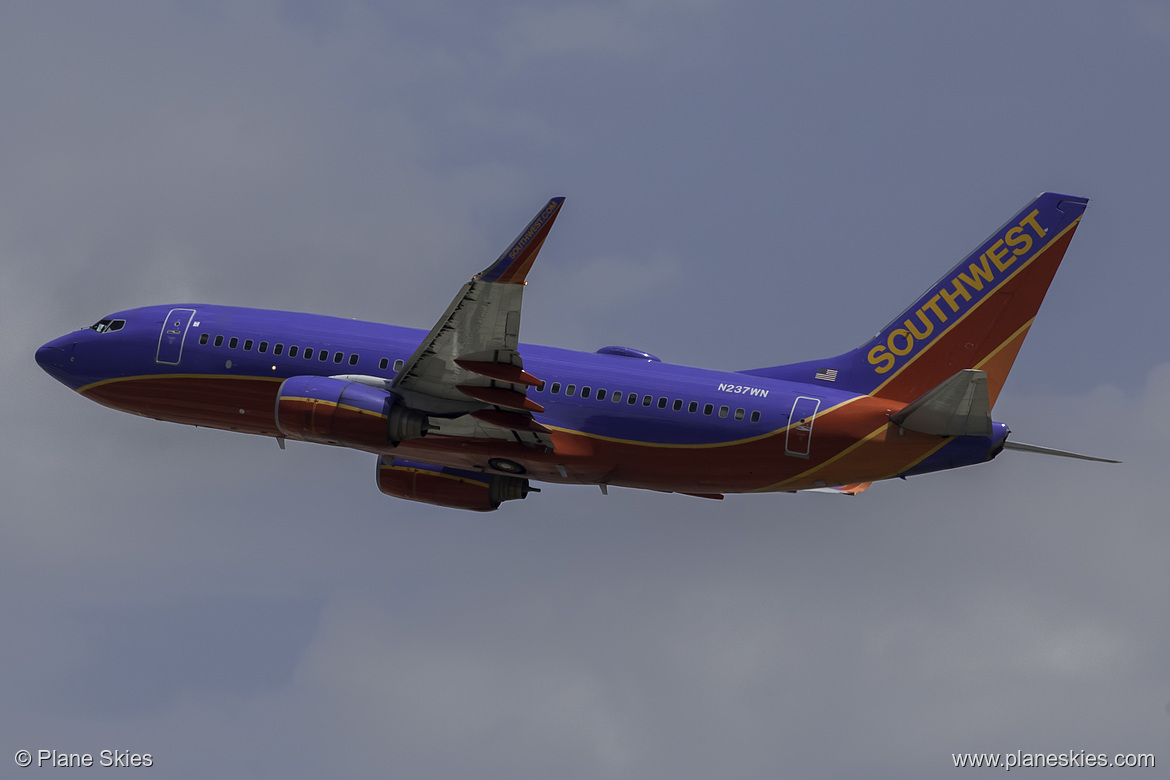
(647, 400)
(219, 341)
(353, 359)
(556, 387)
(616, 397)
(233, 342)
(323, 355)
(383, 363)
(694, 407)
(601, 394)
(278, 349)
(585, 391)
(662, 402)
(292, 351)
(707, 409)
(263, 346)
(678, 404)
(723, 411)
(398, 364)
(755, 416)
(308, 353)
(739, 414)
(570, 390)
(248, 345)
(203, 339)
(338, 357)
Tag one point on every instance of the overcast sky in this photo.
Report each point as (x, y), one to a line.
(748, 183)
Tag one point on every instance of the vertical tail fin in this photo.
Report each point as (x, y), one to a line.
(976, 316)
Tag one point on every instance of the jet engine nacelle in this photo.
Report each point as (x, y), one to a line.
(445, 486)
(333, 411)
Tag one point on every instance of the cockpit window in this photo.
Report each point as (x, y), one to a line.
(108, 325)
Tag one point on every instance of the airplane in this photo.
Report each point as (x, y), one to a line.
(466, 416)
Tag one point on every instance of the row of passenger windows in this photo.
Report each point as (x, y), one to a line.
(293, 351)
(616, 396)
(278, 349)
(631, 399)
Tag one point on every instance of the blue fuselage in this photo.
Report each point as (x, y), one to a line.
(617, 418)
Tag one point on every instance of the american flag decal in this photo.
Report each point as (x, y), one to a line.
(827, 374)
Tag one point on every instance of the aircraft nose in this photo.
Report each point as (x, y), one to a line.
(55, 358)
(51, 356)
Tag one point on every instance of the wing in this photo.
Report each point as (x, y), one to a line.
(469, 364)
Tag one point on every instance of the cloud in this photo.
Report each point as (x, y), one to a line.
(623, 31)
(1150, 19)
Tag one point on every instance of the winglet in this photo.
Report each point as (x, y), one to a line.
(512, 266)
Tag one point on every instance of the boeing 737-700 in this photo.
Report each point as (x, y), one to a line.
(467, 416)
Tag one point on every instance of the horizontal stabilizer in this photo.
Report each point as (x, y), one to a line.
(1019, 445)
(960, 406)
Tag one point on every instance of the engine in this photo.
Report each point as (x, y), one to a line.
(333, 411)
(449, 487)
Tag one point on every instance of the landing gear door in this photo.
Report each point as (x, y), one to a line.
(174, 331)
(800, 425)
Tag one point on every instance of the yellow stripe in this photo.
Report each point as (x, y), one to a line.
(103, 382)
(855, 445)
(334, 404)
(1007, 341)
(915, 462)
(599, 437)
(833, 459)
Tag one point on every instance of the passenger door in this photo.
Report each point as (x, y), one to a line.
(174, 331)
(800, 425)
